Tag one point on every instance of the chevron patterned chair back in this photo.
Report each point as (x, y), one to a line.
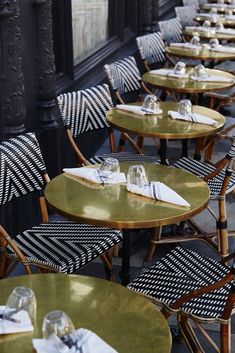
(186, 15)
(194, 3)
(171, 30)
(57, 246)
(151, 48)
(85, 110)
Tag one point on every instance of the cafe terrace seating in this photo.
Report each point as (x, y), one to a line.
(56, 246)
(194, 3)
(84, 111)
(186, 15)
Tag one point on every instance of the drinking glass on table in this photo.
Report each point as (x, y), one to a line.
(150, 104)
(185, 108)
(213, 10)
(195, 40)
(110, 164)
(137, 175)
(219, 25)
(21, 299)
(206, 24)
(200, 71)
(214, 43)
(180, 68)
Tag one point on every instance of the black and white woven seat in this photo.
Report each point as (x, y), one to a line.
(61, 246)
(202, 169)
(194, 3)
(196, 288)
(151, 49)
(186, 15)
(227, 65)
(171, 31)
(179, 272)
(84, 111)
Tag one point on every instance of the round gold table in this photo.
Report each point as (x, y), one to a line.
(201, 54)
(187, 85)
(112, 206)
(226, 22)
(164, 127)
(124, 319)
(208, 35)
(220, 9)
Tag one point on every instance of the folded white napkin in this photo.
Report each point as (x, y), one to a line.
(185, 45)
(137, 109)
(97, 176)
(168, 73)
(212, 78)
(230, 17)
(226, 31)
(198, 28)
(23, 323)
(81, 340)
(223, 49)
(208, 15)
(215, 5)
(194, 118)
(158, 191)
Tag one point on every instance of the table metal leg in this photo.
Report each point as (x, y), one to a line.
(162, 151)
(125, 272)
(184, 148)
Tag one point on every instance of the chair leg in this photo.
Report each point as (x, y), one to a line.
(222, 231)
(153, 244)
(108, 265)
(122, 143)
(225, 338)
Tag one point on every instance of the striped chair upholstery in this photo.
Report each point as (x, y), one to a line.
(179, 283)
(85, 110)
(194, 3)
(186, 15)
(171, 30)
(151, 48)
(59, 246)
(181, 271)
(123, 75)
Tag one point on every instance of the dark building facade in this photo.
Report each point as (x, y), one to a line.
(54, 46)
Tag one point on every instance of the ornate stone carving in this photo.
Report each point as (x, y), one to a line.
(47, 104)
(12, 110)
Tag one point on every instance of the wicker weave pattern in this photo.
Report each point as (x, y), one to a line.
(151, 48)
(171, 30)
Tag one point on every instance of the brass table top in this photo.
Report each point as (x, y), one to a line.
(162, 125)
(202, 53)
(124, 319)
(188, 85)
(209, 34)
(226, 22)
(220, 9)
(113, 206)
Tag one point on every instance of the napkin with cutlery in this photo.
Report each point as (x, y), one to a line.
(14, 323)
(212, 78)
(198, 28)
(158, 191)
(223, 49)
(194, 118)
(79, 341)
(137, 109)
(168, 73)
(226, 31)
(96, 175)
(185, 45)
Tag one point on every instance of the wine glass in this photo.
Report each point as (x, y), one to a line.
(137, 175)
(21, 298)
(195, 40)
(185, 107)
(180, 68)
(150, 104)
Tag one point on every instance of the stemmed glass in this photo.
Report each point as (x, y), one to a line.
(56, 325)
(21, 299)
(150, 104)
(137, 176)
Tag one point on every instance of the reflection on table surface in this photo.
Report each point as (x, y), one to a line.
(202, 53)
(162, 125)
(208, 34)
(187, 85)
(124, 319)
(114, 206)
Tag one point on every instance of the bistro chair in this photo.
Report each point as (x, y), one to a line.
(52, 246)
(194, 3)
(151, 49)
(84, 111)
(198, 290)
(186, 15)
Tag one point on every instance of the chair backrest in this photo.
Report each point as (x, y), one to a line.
(230, 156)
(85, 110)
(186, 15)
(194, 3)
(123, 75)
(151, 48)
(171, 30)
(22, 167)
